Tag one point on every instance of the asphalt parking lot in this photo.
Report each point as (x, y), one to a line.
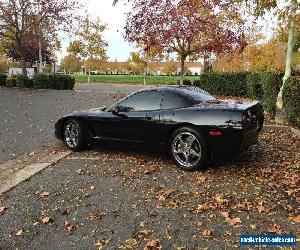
(27, 116)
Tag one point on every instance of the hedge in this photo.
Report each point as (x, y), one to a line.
(11, 82)
(271, 83)
(254, 86)
(291, 101)
(53, 81)
(230, 84)
(23, 81)
(2, 79)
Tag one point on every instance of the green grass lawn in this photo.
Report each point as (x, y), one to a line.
(134, 79)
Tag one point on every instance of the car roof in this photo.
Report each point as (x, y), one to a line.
(174, 88)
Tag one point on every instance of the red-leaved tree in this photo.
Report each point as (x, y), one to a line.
(22, 25)
(190, 28)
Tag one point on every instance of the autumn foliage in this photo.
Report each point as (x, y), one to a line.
(192, 29)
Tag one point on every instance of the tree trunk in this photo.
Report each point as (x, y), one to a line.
(145, 72)
(23, 63)
(182, 69)
(89, 76)
(288, 67)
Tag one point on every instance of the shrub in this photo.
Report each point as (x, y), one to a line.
(23, 81)
(271, 83)
(53, 81)
(186, 82)
(291, 101)
(231, 84)
(11, 82)
(2, 79)
(254, 86)
(62, 81)
(41, 81)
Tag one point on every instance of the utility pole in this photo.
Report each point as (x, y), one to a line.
(40, 68)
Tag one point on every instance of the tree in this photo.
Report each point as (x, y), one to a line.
(170, 67)
(266, 57)
(189, 28)
(19, 20)
(229, 62)
(135, 63)
(150, 54)
(90, 45)
(71, 63)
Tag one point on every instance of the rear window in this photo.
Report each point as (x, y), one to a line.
(196, 94)
(174, 101)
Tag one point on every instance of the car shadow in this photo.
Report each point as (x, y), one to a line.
(146, 151)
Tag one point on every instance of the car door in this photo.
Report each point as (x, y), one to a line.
(134, 119)
(172, 104)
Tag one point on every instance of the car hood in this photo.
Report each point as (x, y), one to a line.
(227, 104)
(89, 112)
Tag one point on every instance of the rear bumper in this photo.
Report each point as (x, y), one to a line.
(232, 143)
(249, 139)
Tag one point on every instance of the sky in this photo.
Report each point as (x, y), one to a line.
(114, 17)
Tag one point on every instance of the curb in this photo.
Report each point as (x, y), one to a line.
(276, 127)
(14, 172)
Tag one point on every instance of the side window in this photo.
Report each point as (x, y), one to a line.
(173, 101)
(144, 101)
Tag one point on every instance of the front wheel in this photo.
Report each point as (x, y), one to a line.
(188, 149)
(73, 135)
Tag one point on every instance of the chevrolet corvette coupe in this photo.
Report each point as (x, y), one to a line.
(191, 124)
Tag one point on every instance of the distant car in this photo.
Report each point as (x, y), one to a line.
(193, 125)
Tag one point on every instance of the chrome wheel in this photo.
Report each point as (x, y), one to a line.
(186, 149)
(72, 135)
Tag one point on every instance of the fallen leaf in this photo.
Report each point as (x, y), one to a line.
(219, 198)
(152, 214)
(153, 245)
(262, 209)
(19, 232)
(146, 232)
(233, 221)
(47, 220)
(275, 229)
(253, 226)
(45, 194)
(225, 214)
(295, 219)
(69, 226)
(2, 209)
(207, 233)
(79, 171)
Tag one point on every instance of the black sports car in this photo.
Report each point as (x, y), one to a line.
(192, 124)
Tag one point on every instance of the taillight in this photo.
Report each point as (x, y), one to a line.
(247, 117)
(215, 133)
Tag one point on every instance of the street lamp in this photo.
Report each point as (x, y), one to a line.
(40, 67)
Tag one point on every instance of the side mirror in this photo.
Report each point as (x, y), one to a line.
(115, 111)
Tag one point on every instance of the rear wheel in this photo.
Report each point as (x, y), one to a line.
(73, 135)
(188, 149)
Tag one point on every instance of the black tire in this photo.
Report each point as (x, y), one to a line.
(79, 143)
(180, 150)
